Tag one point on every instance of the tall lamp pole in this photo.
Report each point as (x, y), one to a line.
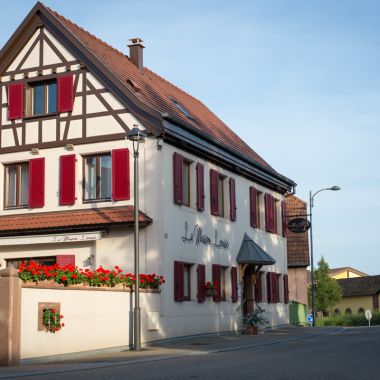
(137, 137)
(311, 205)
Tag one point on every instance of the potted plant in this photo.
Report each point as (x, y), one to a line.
(252, 321)
(211, 288)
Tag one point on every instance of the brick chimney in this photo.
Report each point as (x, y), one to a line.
(136, 52)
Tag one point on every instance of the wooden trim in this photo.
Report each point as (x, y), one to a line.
(56, 51)
(84, 104)
(41, 39)
(37, 68)
(26, 56)
(15, 135)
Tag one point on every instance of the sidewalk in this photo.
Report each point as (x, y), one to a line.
(166, 350)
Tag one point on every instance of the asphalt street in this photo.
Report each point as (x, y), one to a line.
(291, 353)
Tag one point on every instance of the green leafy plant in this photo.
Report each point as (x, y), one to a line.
(51, 319)
(255, 318)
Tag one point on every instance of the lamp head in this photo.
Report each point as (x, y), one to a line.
(335, 188)
(136, 135)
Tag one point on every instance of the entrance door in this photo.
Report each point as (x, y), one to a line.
(248, 291)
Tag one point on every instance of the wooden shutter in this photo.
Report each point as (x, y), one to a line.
(286, 289)
(120, 175)
(269, 287)
(258, 288)
(36, 182)
(253, 206)
(65, 93)
(178, 281)
(214, 193)
(216, 271)
(177, 178)
(232, 199)
(201, 282)
(15, 101)
(200, 187)
(269, 213)
(63, 260)
(283, 218)
(67, 180)
(234, 285)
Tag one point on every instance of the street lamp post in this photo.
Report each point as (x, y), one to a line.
(137, 137)
(311, 205)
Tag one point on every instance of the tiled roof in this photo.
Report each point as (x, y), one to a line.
(335, 271)
(297, 244)
(76, 219)
(156, 92)
(360, 286)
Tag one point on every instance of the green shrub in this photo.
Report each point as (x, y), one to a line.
(349, 320)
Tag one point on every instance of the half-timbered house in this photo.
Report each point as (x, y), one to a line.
(211, 209)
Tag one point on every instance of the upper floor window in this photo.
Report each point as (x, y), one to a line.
(182, 180)
(186, 182)
(25, 184)
(97, 177)
(41, 98)
(17, 185)
(217, 199)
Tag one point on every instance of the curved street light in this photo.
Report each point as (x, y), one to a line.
(311, 205)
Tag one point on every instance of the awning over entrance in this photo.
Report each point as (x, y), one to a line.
(251, 253)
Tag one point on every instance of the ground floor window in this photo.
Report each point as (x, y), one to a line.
(182, 281)
(46, 260)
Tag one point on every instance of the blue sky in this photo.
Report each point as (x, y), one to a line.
(298, 80)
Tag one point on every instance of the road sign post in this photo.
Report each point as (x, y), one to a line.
(368, 315)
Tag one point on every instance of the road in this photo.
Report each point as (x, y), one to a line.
(340, 354)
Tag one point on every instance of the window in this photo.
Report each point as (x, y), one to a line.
(97, 177)
(181, 180)
(17, 185)
(217, 193)
(219, 280)
(186, 182)
(273, 287)
(182, 281)
(182, 109)
(336, 312)
(361, 310)
(41, 98)
(46, 260)
(272, 209)
(348, 311)
(255, 198)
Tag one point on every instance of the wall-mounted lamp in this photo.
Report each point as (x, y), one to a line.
(34, 151)
(69, 147)
(160, 144)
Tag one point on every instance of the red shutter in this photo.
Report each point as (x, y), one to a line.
(286, 289)
(67, 180)
(232, 199)
(63, 260)
(234, 285)
(200, 187)
(258, 289)
(36, 182)
(65, 93)
(269, 213)
(120, 175)
(177, 178)
(15, 101)
(283, 218)
(178, 281)
(253, 206)
(214, 193)
(269, 287)
(216, 270)
(201, 282)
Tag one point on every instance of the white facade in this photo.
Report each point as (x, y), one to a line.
(98, 124)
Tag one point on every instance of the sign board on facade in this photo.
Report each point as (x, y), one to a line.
(298, 225)
(198, 237)
(49, 239)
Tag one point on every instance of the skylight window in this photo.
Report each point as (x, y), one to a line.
(182, 109)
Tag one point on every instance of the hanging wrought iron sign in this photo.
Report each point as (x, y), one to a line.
(298, 225)
(198, 237)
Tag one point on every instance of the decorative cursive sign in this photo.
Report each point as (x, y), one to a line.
(198, 237)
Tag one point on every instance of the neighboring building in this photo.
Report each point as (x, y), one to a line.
(210, 207)
(359, 294)
(298, 261)
(345, 272)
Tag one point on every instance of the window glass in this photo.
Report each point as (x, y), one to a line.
(52, 97)
(186, 282)
(11, 186)
(17, 185)
(221, 196)
(105, 176)
(223, 283)
(186, 183)
(90, 178)
(24, 184)
(39, 99)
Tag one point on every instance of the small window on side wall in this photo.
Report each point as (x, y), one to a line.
(41, 98)
(182, 180)
(97, 177)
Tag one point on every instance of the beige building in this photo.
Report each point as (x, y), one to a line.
(345, 272)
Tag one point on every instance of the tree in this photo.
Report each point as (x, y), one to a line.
(327, 291)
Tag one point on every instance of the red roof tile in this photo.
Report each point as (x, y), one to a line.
(76, 219)
(297, 244)
(158, 93)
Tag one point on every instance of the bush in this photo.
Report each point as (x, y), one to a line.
(349, 320)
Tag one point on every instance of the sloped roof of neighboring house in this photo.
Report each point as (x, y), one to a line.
(67, 220)
(152, 97)
(297, 244)
(335, 271)
(360, 286)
